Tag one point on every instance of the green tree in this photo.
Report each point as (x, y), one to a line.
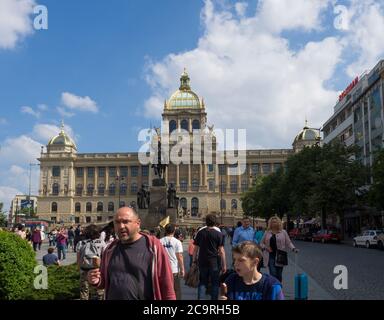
(17, 261)
(317, 180)
(3, 218)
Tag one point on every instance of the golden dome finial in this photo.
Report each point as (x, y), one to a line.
(62, 127)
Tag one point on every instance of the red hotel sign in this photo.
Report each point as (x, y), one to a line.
(349, 88)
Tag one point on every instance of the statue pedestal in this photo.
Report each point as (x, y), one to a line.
(157, 210)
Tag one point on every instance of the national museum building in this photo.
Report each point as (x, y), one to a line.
(90, 187)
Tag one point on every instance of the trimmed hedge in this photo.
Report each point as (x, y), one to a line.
(17, 261)
(63, 284)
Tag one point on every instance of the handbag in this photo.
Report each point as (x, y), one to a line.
(192, 276)
(281, 257)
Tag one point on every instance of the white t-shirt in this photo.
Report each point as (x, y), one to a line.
(172, 246)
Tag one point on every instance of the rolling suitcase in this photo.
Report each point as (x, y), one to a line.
(301, 284)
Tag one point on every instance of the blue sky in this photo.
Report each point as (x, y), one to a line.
(105, 68)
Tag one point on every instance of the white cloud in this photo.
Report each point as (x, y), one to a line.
(72, 101)
(15, 156)
(16, 170)
(15, 21)
(278, 15)
(19, 151)
(241, 8)
(6, 196)
(42, 107)
(153, 106)
(364, 34)
(249, 76)
(29, 110)
(64, 113)
(45, 132)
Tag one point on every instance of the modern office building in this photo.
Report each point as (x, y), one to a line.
(358, 115)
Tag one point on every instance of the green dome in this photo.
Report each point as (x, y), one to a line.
(184, 98)
(62, 139)
(307, 134)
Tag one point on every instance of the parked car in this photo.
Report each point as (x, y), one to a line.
(326, 235)
(380, 241)
(306, 234)
(293, 234)
(368, 238)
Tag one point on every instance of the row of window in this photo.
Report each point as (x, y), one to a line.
(111, 205)
(123, 171)
(88, 206)
(254, 168)
(184, 125)
(111, 189)
(134, 188)
(101, 171)
(100, 189)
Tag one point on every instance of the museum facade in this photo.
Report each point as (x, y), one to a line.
(89, 187)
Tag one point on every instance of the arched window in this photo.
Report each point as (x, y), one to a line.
(79, 189)
(134, 188)
(244, 186)
(172, 126)
(54, 207)
(195, 206)
(122, 204)
(100, 207)
(223, 204)
(183, 203)
(90, 189)
(233, 186)
(183, 185)
(184, 125)
(55, 189)
(77, 207)
(234, 204)
(123, 189)
(112, 189)
(111, 207)
(101, 189)
(195, 124)
(88, 207)
(195, 185)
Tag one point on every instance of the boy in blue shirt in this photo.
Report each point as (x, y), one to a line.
(247, 283)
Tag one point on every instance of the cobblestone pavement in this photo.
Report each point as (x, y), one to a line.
(365, 268)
